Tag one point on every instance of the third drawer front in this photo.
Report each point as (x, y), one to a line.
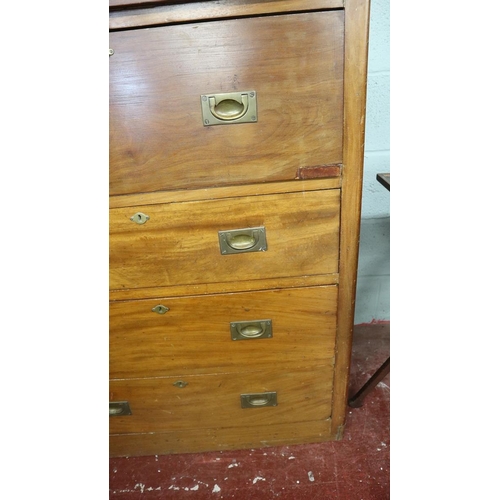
(227, 240)
(222, 332)
(220, 400)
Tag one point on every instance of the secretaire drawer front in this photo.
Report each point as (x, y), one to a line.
(159, 77)
(220, 400)
(295, 234)
(165, 336)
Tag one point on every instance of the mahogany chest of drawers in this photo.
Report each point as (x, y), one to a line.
(236, 155)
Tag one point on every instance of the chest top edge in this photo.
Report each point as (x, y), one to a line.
(128, 14)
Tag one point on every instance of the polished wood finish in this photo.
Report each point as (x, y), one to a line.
(297, 171)
(144, 343)
(172, 13)
(216, 438)
(116, 4)
(157, 138)
(199, 289)
(180, 243)
(213, 400)
(356, 60)
(299, 186)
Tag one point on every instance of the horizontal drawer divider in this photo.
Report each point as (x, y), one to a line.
(223, 288)
(239, 191)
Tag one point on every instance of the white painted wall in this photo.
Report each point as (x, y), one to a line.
(374, 268)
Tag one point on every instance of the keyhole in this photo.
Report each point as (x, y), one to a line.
(139, 218)
(181, 384)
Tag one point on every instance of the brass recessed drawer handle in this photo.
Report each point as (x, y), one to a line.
(248, 330)
(250, 239)
(228, 109)
(119, 409)
(259, 400)
(231, 107)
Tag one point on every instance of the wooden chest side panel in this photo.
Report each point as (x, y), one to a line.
(357, 15)
(179, 244)
(157, 76)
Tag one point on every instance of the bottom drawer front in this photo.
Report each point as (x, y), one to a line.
(197, 440)
(222, 400)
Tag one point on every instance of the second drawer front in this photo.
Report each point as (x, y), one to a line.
(180, 242)
(196, 333)
(208, 401)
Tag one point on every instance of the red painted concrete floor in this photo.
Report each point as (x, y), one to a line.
(356, 468)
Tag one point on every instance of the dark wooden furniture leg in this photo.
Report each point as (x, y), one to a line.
(357, 400)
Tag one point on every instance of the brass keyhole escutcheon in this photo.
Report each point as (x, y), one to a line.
(139, 218)
(160, 309)
(180, 384)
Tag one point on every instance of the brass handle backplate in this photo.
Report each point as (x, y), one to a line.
(228, 108)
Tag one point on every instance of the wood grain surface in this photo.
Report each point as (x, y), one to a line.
(297, 171)
(213, 400)
(180, 243)
(157, 76)
(160, 197)
(143, 343)
(166, 12)
(197, 439)
(357, 19)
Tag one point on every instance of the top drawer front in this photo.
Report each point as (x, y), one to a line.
(157, 137)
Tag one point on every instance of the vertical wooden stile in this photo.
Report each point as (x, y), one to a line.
(355, 71)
